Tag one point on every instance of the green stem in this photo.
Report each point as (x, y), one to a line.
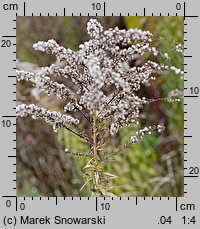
(95, 136)
(96, 157)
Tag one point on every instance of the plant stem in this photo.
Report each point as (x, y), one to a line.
(96, 157)
(95, 136)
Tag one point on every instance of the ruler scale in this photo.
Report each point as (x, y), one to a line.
(60, 212)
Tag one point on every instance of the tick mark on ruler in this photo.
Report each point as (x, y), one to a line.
(191, 16)
(24, 8)
(12, 76)
(8, 36)
(191, 176)
(96, 204)
(9, 196)
(184, 10)
(191, 96)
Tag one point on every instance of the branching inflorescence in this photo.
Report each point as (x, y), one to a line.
(104, 91)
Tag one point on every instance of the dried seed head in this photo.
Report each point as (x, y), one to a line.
(52, 117)
(101, 75)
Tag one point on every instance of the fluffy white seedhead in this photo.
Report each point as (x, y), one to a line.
(147, 130)
(94, 28)
(101, 75)
(54, 118)
(179, 48)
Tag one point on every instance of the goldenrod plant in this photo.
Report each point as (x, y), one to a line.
(103, 90)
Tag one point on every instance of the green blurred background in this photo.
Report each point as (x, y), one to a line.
(152, 167)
